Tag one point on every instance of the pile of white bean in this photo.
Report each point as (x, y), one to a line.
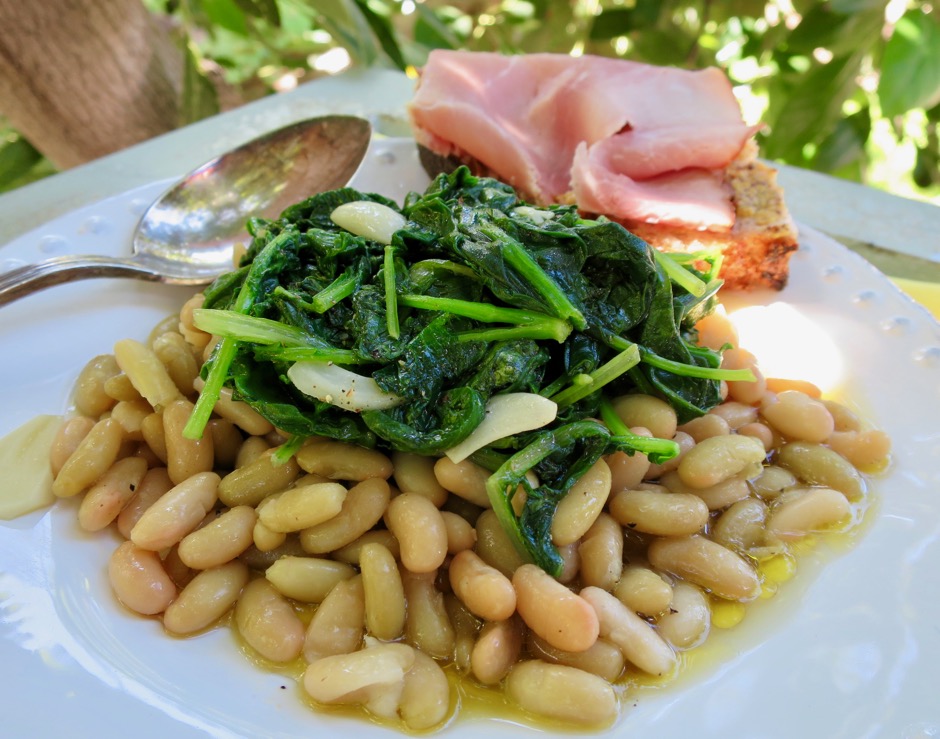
(374, 577)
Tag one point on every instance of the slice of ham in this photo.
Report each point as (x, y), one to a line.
(629, 140)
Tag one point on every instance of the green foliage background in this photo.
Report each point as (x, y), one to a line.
(846, 87)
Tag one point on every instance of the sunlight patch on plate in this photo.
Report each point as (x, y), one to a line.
(789, 345)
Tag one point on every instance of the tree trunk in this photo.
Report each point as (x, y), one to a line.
(83, 78)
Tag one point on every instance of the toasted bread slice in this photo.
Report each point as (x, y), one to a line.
(756, 251)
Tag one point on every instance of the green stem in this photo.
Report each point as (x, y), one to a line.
(391, 293)
(678, 274)
(604, 374)
(548, 327)
(659, 450)
(228, 346)
(229, 324)
(694, 370)
(561, 305)
(310, 354)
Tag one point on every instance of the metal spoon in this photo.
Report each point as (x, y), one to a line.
(188, 235)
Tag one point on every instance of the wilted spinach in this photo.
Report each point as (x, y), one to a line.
(477, 294)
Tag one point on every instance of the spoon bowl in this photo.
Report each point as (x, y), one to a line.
(188, 235)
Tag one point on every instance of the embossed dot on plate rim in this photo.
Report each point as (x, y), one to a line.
(896, 325)
(95, 225)
(867, 297)
(53, 244)
(928, 356)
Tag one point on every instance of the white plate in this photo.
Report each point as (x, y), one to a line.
(849, 648)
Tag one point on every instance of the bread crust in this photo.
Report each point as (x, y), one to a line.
(755, 251)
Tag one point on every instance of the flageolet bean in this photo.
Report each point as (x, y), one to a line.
(772, 481)
(120, 388)
(178, 512)
(760, 431)
(338, 460)
(363, 507)
(267, 622)
(206, 598)
(339, 623)
(735, 414)
(496, 650)
(460, 532)
(798, 416)
(253, 481)
(803, 511)
(561, 617)
(582, 504)
(67, 439)
(562, 692)
(263, 538)
(661, 514)
(110, 493)
(715, 497)
(302, 507)
(628, 470)
(425, 696)
(350, 553)
(602, 658)
(414, 473)
(155, 482)
(744, 391)
(866, 450)
(570, 563)
(427, 627)
(649, 412)
(420, 530)
(780, 384)
(237, 412)
(184, 457)
(716, 459)
(643, 591)
(486, 591)
(708, 564)
(384, 592)
(704, 427)
(154, 436)
(221, 540)
(226, 441)
(494, 545)
(686, 443)
(177, 570)
(131, 414)
(373, 677)
(843, 418)
(716, 330)
(307, 579)
(601, 553)
(197, 338)
(261, 560)
(178, 358)
(88, 393)
(466, 626)
(251, 449)
(464, 479)
(637, 639)
(686, 623)
(139, 580)
(741, 527)
(816, 464)
(95, 453)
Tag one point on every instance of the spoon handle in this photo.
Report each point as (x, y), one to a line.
(22, 281)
